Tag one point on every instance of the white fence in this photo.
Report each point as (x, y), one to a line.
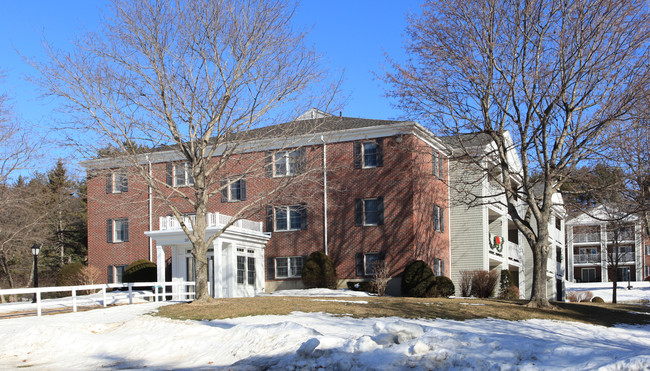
(181, 291)
(213, 220)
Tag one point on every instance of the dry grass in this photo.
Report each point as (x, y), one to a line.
(455, 309)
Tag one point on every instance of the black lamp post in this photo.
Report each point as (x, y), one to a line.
(36, 248)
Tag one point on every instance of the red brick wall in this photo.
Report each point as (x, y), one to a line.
(405, 181)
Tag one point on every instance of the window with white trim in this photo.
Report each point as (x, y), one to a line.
(285, 163)
(370, 154)
(235, 191)
(183, 175)
(116, 273)
(588, 274)
(288, 267)
(366, 263)
(647, 271)
(117, 183)
(369, 211)
(647, 249)
(117, 230)
(246, 269)
(288, 218)
(438, 218)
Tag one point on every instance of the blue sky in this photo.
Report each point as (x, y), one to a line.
(352, 35)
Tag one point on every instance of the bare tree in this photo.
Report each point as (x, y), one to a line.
(552, 74)
(198, 76)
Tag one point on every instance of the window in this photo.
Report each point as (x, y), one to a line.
(647, 249)
(438, 267)
(437, 164)
(115, 273)
(246, 270)
(117, 230)
(117, 183)
(647, 270)
(236, 191)
(287, 163)
(179, 174)
(369, 211)
(286, 218)
(241, 268)
(366, 263)
(438, 218)
(588, 274)
(558, 223)
(623, 274)
(289, 267)
(368, 154)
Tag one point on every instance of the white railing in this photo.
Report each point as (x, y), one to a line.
(586, 237)
(515, 252)
(214, 220)
(625, 257)
(182, 291)
(586, 258)
(625, 235)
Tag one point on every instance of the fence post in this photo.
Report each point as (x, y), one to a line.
(104, 295)
(155, 293)
(164, 291)
(38, 303)
(74, 300)
(130, 293)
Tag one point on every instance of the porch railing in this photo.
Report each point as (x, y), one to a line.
(586, 237)
(586, 258)
(182, 290)
(515, 252)
(214, 220)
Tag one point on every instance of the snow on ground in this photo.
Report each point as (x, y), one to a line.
(640, 290)
(112, 298)
(127, 337)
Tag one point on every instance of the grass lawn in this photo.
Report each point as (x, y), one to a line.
(429, 308)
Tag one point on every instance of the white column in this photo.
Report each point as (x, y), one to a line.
(231, 283)
(160, 263)
(218, 271)
(603, 254)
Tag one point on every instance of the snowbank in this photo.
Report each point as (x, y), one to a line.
(640, 290)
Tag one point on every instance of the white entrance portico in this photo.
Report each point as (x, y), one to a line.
(235, 259)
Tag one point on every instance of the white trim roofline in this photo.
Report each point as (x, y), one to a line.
(269, 144)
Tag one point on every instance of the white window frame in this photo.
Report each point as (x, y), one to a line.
(293, 270)
(365, 165)
(436, 164)
(365, 212)
(247, 275)
(288, 210)
(647, 250)
(116, 182)
(647, 271)
(187, 177)
(121, 234)
(288, 160)
(367, 263)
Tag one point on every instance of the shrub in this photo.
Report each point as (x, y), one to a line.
(319, 271)
(69, 275)
(507, 287)
(441, 287)
(484, 283)
(381, 277)
(361, 286)
(416, 279)
(466, 283)
(579, 296)
(141, 271)
(597, 299)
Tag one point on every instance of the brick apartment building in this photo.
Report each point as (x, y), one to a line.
(377, 192)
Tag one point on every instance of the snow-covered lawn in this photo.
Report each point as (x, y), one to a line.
(127, 337)
(640, 290)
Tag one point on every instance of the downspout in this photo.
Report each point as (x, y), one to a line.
(150, 211)
(448, 209)
(324, 192)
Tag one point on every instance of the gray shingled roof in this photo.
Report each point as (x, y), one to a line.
(467, 140)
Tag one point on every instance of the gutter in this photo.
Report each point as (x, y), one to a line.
(324, 193)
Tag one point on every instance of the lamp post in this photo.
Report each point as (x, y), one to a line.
(36, 248)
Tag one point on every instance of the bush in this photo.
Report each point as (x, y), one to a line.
(141, 271)
(416, 279)
(507, 288)
(597, 299)
(361, 286)
(484, 283)
(319, 271)
(466, 283)
(579, 296)
(69, 275)
(381, 277)
(442, 287)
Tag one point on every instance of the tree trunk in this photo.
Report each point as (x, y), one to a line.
(538, 298)
(614, 282)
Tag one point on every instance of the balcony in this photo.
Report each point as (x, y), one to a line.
(515, 252)
(586, 237)
(625, 235)
(214, 220)
(625, 257)
(586, 258)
